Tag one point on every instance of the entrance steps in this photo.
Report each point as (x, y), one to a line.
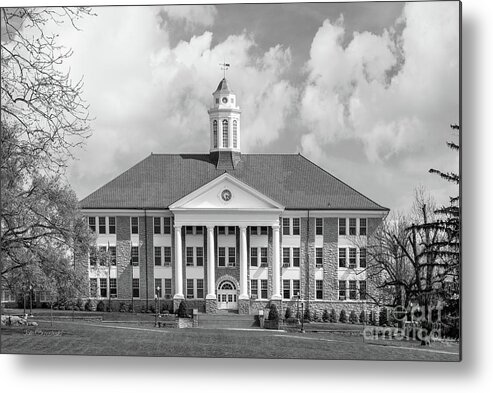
(227, 320)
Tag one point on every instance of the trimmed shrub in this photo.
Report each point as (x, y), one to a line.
(362, 317)
(100, 306)
(353, 318)
(326, 316)
(80, 303)
(383, 317)
(182, 310)
(152, 309)
(343, 316)
(315, 316)
(288, 314)
(123, 307)
(130, 308)
(273, 313)
(333, 316)
(91, 305)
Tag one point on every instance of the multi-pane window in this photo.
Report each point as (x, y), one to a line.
(93, 287)
(319, 289)
(199, 230)
(214, 131)
(296, 226)
(253, 231)
(231, 230)
(342, 257)
(235, 134)
(103, 287)
(253, 256)
(342, 290)
(200, 288)
(352, 258)
(254, 289)
(135, 256)
(362, 290)
(112, 252)
(225, 133)
(263, 257)
(286, 257)
(263, 230)
(362, 257)
(200, 255)
(190, 294)
(157, 256)
(362, 226)
(286, 289)
(189, 251)
(135, 287)
(102, 224)
(285, 226)
(93, 256)
(158, 287)
(296, 256)
(232, 256)
(103, 256)
(157, 225)
(113, 290)
(319, 226)
(112, 225)
(296, 287)
(319, 261)
(134, 223)
(352, 226)
(167, 225)
(92, 223)
(263, 289)
(342, 226)
(221, 230)
(352, 290)
(221, 260)
(189, 230)
(167, 256)
(167, 288)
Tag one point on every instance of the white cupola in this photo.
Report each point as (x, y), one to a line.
(224, 118)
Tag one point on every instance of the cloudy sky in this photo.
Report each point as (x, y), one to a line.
(367, 91)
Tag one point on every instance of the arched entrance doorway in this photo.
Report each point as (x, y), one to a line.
(227, 296)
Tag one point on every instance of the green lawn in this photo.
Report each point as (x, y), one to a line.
(97, 338)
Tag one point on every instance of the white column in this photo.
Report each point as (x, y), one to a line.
(211, 260)
(178, 264)
(243, 264)
(276, 267)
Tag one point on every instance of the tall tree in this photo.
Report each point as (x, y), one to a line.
(43, 118)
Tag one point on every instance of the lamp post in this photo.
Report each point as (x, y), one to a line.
(298, 304)
(158, 293)
(155, 314)
(302, 319)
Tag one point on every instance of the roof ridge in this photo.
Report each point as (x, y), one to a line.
(347, 185)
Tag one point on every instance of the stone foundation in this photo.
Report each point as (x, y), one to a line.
(244, 306)
(211, 306)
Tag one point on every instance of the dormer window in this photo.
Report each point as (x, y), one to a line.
(225, 134)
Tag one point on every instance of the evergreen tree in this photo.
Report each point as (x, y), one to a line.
(353, 318)
(333, 316)
(326, 316)
(343, 316)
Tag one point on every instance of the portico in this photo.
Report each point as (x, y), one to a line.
(226, 202)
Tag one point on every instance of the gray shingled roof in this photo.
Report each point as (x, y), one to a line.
(290, 179)
(223, 87)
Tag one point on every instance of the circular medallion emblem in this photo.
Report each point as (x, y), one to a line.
(225, 100)
(226, 195)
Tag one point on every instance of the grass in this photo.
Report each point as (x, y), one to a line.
(97, 338)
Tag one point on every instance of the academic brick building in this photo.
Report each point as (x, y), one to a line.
(226, 230)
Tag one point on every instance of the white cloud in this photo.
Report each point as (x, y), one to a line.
(192, 15)
(364, 92)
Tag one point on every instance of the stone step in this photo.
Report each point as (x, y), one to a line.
(226, 320)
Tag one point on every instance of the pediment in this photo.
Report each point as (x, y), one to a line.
(226, 192)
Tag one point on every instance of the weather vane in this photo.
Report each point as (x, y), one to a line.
(224, 66)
